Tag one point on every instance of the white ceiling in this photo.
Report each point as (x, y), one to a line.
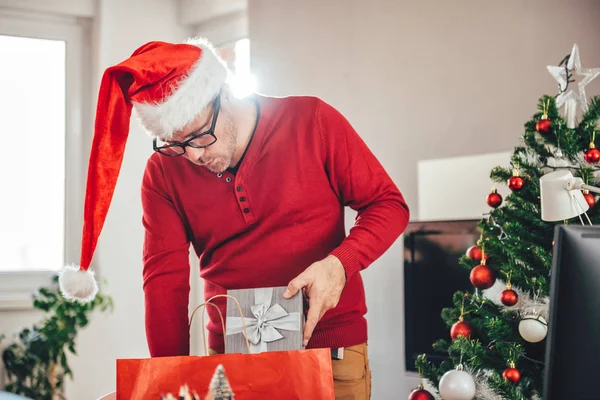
(75, 8)
(191, 12)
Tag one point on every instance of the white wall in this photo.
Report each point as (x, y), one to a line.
(224, 29)
(457, 187)
(419, 80)
(193, 12)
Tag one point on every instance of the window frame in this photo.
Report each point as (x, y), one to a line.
(17, 287)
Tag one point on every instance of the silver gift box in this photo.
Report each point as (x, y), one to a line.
(272, 322)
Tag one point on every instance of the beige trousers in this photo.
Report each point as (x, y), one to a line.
(351, 376)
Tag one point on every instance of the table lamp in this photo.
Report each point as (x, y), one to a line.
(561, 197)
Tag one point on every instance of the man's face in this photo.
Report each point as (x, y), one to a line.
(216, 157)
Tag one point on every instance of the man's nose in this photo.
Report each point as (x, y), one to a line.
(194, 154)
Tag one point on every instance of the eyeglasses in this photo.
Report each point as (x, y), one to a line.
(199, 141)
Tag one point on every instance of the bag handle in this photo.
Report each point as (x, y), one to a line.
(209, 302)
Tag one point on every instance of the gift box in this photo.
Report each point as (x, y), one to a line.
(272, 322)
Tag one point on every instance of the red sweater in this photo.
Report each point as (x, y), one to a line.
(282, 211)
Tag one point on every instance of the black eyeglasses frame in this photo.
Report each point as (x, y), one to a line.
(164, 150)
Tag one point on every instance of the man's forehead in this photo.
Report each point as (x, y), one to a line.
(199, 124)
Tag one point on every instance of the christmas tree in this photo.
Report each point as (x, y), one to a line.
(219, 386)
(496, 343)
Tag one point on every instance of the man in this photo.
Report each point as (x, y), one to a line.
(258, 187)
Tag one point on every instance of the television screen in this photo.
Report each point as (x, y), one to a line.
(432, 274)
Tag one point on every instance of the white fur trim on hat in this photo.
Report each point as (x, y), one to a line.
(77, 284)
(193, 94)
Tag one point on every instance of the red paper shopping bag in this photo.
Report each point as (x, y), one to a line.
(297, 374)
(301, 374)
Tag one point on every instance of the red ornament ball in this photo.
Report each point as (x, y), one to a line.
(543, 126)
(420, 394)
(512, 375)
(592, 156)
(494, 199)
(590, 199)
(516, 183)
(461, 328)
(475, 253)
(482, 277)
(509, 297)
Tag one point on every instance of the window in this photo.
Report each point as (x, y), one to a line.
(33, 164)
(237, 57)
(41, 167)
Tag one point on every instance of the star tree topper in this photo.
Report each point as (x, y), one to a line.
(563, 74)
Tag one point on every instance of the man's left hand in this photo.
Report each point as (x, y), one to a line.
(323, 282)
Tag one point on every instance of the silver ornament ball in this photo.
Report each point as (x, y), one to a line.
(457, 385)
(533, 328)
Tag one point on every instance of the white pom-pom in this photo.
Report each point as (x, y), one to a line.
(77, 284)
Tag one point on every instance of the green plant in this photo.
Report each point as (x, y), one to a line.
(36, 360)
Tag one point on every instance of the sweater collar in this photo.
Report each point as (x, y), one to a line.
(257, 146)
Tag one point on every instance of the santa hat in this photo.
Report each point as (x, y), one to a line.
(167, 85)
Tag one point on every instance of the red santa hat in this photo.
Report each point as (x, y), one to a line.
(167, 86)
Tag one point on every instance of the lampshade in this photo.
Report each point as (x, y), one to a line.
(557, 202)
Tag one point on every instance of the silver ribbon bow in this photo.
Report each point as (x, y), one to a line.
(269, 318)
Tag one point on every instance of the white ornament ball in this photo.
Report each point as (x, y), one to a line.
(457, 385)
(533, 328)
